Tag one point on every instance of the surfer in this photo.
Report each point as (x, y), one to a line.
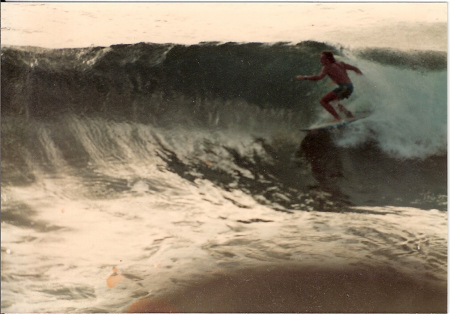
(337, 71)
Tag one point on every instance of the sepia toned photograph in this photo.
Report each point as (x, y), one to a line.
(223, 157)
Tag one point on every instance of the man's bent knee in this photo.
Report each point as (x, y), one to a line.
(328, 98)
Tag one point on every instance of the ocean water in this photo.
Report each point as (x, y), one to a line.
(174, 177)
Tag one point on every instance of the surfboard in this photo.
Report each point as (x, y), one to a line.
(333, 125)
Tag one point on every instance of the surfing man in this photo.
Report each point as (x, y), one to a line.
(337, 71)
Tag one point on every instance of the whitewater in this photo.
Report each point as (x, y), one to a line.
(168, 177)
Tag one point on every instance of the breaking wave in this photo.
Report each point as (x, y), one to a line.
(229, 113)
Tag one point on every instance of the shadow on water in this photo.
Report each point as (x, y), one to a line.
(319, 150)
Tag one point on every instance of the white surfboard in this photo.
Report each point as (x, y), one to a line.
(332, 125)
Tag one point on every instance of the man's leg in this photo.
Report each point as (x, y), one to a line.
(325, 102)
(345, 111)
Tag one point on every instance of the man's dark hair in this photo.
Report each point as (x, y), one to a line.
(329, 55)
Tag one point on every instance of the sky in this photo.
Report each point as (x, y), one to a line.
(76, 24)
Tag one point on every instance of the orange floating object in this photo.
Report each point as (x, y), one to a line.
(114, 279)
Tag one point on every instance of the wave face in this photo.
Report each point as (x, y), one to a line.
(228, 113)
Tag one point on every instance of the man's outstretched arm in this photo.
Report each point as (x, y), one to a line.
(320, 76)
(353, 68)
